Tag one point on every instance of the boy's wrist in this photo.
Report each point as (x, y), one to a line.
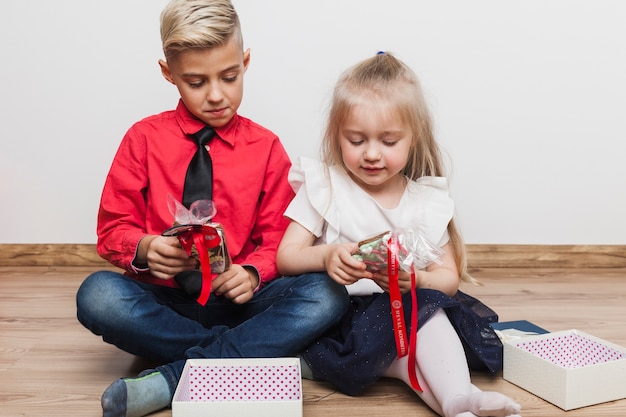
(255, 278)
(141, 255)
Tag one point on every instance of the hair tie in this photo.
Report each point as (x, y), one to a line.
(380, 53)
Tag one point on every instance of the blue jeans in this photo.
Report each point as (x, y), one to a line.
(168, 326)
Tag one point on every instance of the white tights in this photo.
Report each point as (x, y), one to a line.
(444, 375)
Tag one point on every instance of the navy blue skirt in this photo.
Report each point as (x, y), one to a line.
(356, 353)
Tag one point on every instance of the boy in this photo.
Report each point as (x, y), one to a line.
(144, 312)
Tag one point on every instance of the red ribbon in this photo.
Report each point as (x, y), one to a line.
(397, 311)
(204, 238)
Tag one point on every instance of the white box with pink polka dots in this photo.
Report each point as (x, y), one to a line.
(570, 369)
(239, 387)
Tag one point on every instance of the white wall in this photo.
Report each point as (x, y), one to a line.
(528, 98)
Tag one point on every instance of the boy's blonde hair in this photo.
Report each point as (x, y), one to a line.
(198, 24)
(386, 79)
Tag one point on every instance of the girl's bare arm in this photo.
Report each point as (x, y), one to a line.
(297, 254)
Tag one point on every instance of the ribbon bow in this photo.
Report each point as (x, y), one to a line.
(191, 230)
(204, 237)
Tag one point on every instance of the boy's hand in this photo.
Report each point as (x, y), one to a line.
(341, 266)
(164, 256)
(236, 284)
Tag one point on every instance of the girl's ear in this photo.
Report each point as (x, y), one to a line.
(165, 71)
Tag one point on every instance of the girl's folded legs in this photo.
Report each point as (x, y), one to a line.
(484, 404)
(444, 375)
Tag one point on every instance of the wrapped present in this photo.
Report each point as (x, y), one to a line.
(202, 239)
(219, 259)
(413, 249)
(373, 252)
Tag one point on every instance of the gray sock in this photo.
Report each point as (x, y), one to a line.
(136, 397)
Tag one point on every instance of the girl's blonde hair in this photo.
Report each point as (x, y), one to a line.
(198, 24)
(385, 78)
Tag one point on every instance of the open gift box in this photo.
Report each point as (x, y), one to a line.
(570, 369)
(239, 387)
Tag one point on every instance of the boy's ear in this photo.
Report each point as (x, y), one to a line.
(246, 59)
(165, 71)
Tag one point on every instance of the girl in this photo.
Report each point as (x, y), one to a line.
(381, 171)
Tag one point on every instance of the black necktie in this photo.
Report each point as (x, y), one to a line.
(198, 186)
(199, 178)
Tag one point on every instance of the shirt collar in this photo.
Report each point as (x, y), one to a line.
(190, 124)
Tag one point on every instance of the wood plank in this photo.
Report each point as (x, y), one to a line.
(479, 256)
(52, 255)
(50, 366)
(546, 256)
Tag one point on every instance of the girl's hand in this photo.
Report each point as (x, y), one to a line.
(404, 281)
(164, 256)
(341, 266)
(443, 277)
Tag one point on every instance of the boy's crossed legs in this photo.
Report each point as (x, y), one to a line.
(281, 319)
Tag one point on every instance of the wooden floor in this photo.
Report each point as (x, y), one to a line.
(51, 366)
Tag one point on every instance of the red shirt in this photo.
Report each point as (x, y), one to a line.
(250, 189)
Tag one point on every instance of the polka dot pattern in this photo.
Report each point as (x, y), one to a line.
(571, 351)
(242, 383)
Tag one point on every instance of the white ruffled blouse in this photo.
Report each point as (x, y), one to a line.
(335, 209)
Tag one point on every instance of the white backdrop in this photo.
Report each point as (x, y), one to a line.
(528, 99)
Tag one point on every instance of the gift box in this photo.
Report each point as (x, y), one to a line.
(257, 387)
(570, 369)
